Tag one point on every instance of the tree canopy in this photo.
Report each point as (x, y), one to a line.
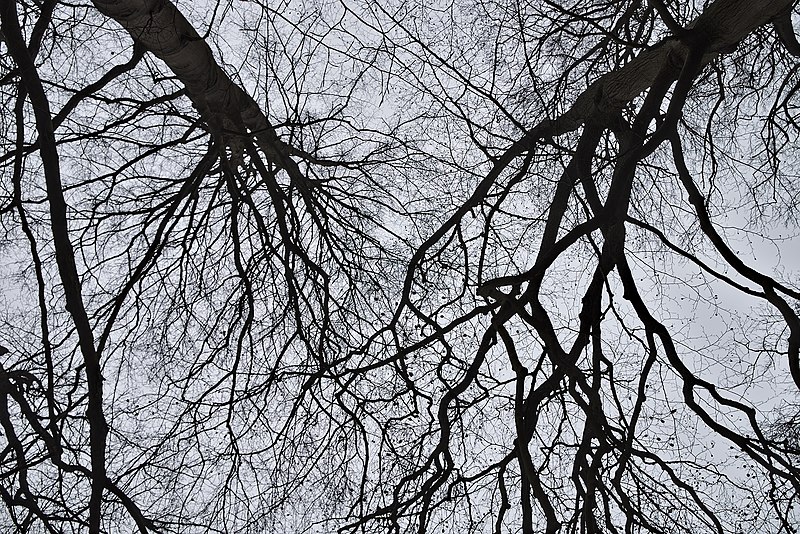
(354, 266)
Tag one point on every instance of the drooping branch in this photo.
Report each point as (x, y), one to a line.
(65, 254)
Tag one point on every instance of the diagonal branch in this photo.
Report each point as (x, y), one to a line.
(229, 110)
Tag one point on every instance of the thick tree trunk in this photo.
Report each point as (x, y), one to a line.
(230, 112)
(233, 114)
(165, 32)
(719, 29)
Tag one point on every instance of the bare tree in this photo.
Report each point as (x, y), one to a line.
(392, 267)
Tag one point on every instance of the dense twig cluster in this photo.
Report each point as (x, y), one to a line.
(486, 267)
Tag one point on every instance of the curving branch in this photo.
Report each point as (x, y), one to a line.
(785, 29)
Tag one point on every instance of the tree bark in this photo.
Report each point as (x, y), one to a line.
(230, 112)
(163, 30)
(719, 29)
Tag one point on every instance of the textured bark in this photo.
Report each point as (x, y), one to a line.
(164, 31)
(230, 112)
(718, 30)
(785, 30)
